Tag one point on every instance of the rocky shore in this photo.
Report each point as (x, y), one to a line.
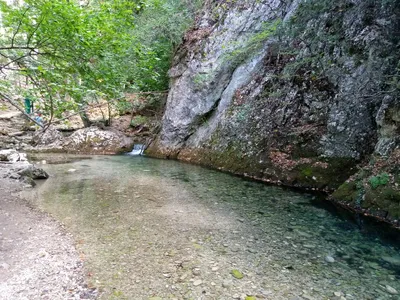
(38, 259)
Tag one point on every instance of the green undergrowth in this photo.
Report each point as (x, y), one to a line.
(374, 188)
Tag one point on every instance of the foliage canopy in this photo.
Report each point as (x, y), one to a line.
(72, 51)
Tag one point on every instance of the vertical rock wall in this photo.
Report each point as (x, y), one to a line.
(295, 92)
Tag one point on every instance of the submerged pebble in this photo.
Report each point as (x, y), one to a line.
(393, 260)
(391, 290)
(329, 259)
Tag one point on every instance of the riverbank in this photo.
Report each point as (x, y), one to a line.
(38, 259)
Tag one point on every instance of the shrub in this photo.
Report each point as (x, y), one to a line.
(378, 180)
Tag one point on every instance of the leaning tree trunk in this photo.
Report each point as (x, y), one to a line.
(85, 118)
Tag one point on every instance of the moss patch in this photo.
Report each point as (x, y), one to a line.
(379, 179)
(327, 174)
(346, 192)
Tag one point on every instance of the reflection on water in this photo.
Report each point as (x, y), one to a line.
(154, 228)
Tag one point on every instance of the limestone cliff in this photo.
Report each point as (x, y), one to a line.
(297, 92)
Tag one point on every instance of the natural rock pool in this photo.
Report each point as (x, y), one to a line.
(156, 229)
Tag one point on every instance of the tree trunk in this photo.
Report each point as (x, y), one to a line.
(85, 118)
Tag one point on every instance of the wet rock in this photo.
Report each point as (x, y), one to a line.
(391, 290)
(316, 118)
(33, 172)
(338, 294)
(393, 260)
(307, 296)
(16, 166)
(329, 259)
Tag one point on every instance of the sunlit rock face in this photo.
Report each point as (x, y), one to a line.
(284, 91)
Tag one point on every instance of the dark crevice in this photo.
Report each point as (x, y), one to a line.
(204, 118)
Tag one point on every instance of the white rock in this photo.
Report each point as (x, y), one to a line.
(391, 290)
(329, 259)
(197, 282)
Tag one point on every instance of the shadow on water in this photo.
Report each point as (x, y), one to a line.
(370, 227)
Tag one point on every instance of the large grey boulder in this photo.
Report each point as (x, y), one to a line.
(50, 136)
(91, 140)
(11, 155)
(31, 171)
(15, 165)
(97, 141)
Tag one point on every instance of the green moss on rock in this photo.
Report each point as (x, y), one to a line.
(346, 192)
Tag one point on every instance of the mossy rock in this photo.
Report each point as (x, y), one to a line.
(338, 170)
(346, 192)
(383, 198)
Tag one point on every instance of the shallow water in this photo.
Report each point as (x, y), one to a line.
(150, 228)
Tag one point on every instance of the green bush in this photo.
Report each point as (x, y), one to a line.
(379, 180)
(158, 29)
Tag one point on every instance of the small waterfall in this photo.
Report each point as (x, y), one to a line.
(138, 149)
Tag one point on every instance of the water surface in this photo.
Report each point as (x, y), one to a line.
(150, 228)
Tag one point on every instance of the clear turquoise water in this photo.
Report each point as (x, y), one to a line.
(141, 224)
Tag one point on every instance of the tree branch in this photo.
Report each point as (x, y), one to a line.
(9, 100)
(18, 26)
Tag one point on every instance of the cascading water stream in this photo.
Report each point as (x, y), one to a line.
(138, 149)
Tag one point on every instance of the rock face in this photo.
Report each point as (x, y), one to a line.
(13, 130)
(295, 92)
(91, 140)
